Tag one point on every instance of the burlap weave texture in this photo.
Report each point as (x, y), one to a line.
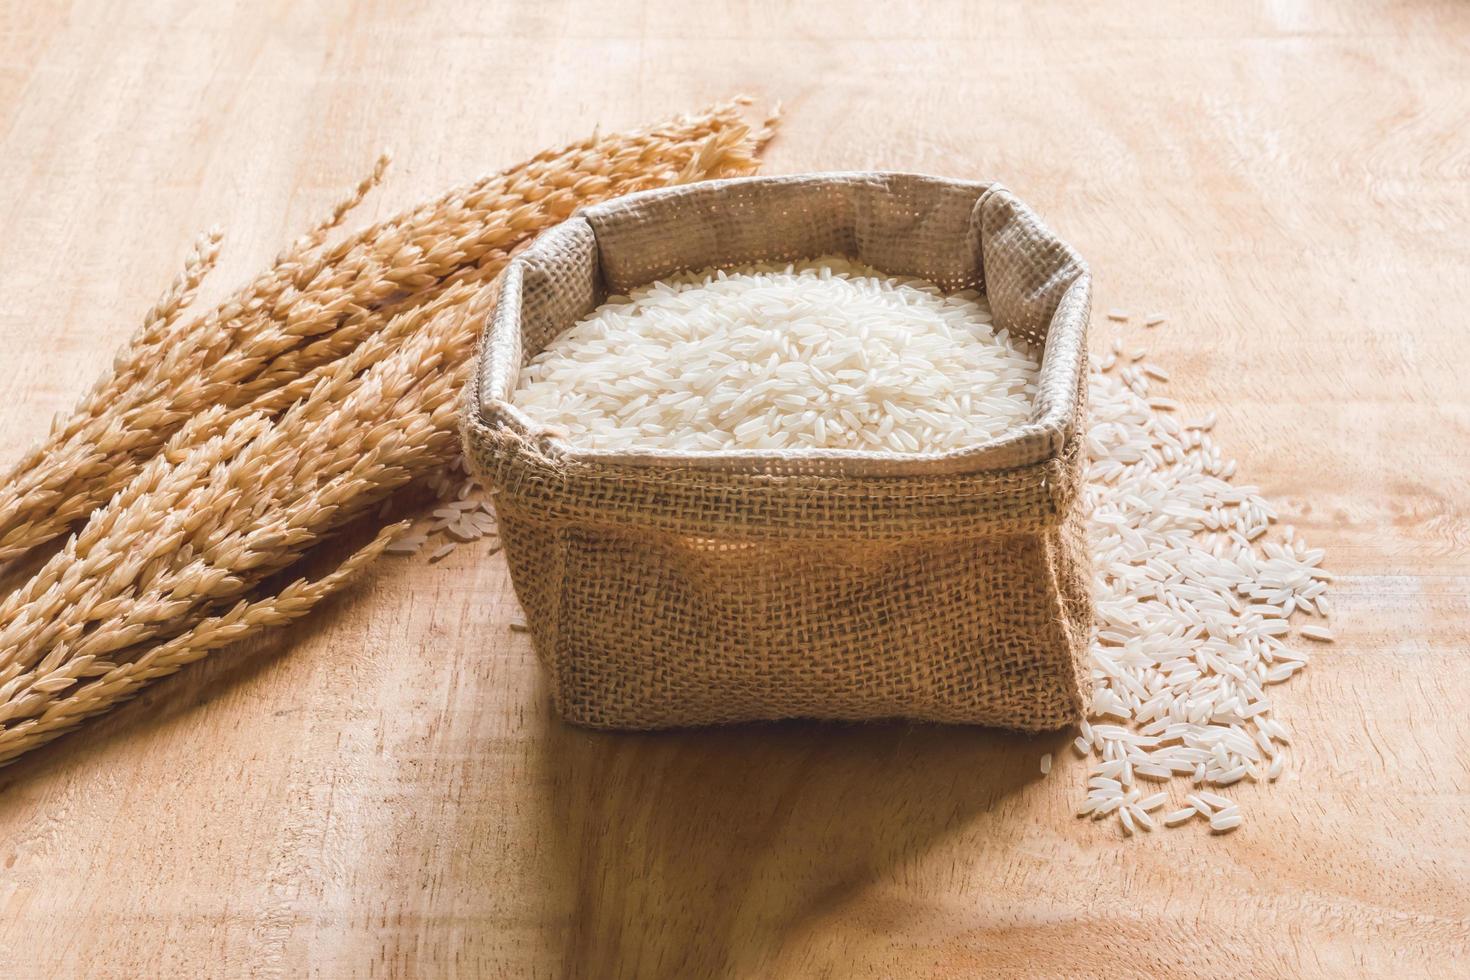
(669, 588)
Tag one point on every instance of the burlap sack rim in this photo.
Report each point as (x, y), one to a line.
(1038, 441)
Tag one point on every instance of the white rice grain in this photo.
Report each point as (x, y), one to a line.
(823, 354)
(1192, 595)
(1153, 802)
(1222, 823)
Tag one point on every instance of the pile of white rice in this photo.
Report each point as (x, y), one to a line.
(1197, 601)
(823, 354)
(1195, 610)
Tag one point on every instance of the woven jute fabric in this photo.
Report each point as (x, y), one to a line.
(667, 588)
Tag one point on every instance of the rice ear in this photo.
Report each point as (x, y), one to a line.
(123, 681)
(223, 449)
(258, 350)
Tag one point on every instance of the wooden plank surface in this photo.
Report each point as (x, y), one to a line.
(382, 791)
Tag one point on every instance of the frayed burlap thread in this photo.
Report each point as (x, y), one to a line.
(670, 589)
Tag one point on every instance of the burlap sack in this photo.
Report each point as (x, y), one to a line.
(669, 588)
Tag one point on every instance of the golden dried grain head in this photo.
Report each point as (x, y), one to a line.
(221, 449)
(257, 350)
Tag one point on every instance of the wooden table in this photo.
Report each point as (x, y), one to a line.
(382, 790)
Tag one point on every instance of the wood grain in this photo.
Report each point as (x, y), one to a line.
(382, 791)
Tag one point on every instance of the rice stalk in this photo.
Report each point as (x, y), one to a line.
(118, 682)
(257, 350)
(319, 406)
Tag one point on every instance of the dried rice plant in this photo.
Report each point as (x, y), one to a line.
(258, 351)
(219, 451)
